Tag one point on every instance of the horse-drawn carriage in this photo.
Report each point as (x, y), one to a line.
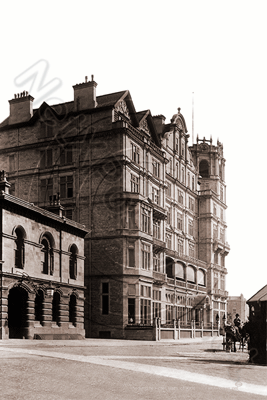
(235, 334)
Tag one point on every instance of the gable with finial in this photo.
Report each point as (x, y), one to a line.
(179, 121)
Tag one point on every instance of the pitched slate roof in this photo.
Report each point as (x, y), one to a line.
(261, 295)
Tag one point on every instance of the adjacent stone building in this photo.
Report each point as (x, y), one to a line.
(237, 305)
(42, 271)
(154, 206)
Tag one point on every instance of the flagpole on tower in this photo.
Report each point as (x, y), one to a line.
(193, 133)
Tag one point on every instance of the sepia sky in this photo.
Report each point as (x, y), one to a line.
(162, 52)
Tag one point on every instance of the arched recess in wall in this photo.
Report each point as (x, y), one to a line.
(73, 261)
(204, 169)
(20, 234)
(179, 271)
(191, 276)
(48, 243)
(201, 277)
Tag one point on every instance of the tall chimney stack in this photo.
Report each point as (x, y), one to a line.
(21, 108)
(85, 94)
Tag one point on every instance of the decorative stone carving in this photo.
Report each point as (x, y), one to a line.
(122, 107)
(144, 126)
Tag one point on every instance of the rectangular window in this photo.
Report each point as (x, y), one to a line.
(66, 187)
(145, 220)
(168, 313)
(214, 209)
(177, 171)
(156, 229)
(145, 311)
(221, 214)
(179, 221)
(46, 158)
(66, 155)
(170, 166)
(135, 153)
(215, 232)
(216, 280)
(180, 197)
(177, 144)
(156, 262)
(155, 195)
(131, 217)
(69, 213)
(145, 256)
(190, 227)
(134, 184)
(169, 240)
(11, 163)
(193, 183)
(191, 250)
(46, 189)
(221, 194)
(169, 217)
(191, 204)
(105, 298)
(180, 246)
(156, 168)
(169, 189)
(131, 256)
(183, 176)
(131, 311)
(47, 129)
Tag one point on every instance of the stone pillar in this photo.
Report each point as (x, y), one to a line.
(64, 310)
(80, 313)
(216, 164)
(223, 169)
(4, 331)
(30, 314)
(47, 311)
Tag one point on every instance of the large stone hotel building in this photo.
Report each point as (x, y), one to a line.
(153, 205)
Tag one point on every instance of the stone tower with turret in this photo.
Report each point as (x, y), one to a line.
(212, 245)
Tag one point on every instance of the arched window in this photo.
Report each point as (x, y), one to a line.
(191, 274)
(55, 308)
(204, 169)
(72, 309)
(39, 303)
(19, 248)
(48, 256)
(201, 277)
(73, 262)
(179, 270)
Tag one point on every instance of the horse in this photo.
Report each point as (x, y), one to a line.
(235, 334)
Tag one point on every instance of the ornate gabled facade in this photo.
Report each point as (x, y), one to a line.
(133, 180)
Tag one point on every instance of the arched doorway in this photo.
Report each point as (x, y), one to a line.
(17, 313)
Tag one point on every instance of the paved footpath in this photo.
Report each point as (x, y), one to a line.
(197, 361)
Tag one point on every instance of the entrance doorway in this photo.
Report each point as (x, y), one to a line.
(17, 313)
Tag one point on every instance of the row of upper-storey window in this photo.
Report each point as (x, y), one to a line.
(178, 171)
(146, 221)
(48, 186)
(48, 157)
(147, 256)
(47, 251)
